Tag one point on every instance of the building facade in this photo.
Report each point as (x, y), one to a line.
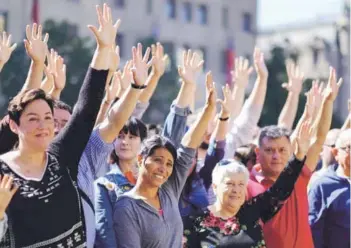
(318, 43)
(208, 26)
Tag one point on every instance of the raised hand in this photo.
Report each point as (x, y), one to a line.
(141, 64)
(7, 190)
(303, 140)
(159, 60)
(105, 35)
(5, 48)
(111, 90)
(241, 72)
(35, 45)
(127, 76)
(295, 77)
(259, 63)
(191, 67)
(225, 103)
(211, 94)
(60, 73)
(332, 88)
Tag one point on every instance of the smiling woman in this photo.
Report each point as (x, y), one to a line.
(234, 222)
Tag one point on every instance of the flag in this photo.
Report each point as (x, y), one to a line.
(230, 61)
(35, 11)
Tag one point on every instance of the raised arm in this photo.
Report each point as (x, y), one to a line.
(267, 204)
(37, 49)
(66, 146)
(59, 75)
(323, 122)
(5, 49)
(159, 63)
(191, 140)
(215, 152)
(294, 87)
(243, 128)
(175, 122)
(111, 85)
(240, 75)
(123, 108)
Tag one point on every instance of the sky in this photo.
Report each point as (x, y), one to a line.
(280, 12)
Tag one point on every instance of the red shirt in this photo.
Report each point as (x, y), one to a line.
(289, 228)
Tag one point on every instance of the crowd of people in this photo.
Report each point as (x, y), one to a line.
(96, 175)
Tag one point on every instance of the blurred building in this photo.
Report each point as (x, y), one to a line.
(318, 43)
(216, 28)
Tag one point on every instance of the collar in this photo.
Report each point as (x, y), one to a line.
(257, 174)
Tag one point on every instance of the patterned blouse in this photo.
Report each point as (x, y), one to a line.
(242, 230)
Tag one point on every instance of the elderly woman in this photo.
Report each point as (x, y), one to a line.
(232, 222)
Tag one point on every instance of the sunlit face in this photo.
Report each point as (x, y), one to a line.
(157, 168)
(127, 146)
(231, 191)
(36, 128)
(61, 118)
(273, 155)
(342, 151)
(327, 151)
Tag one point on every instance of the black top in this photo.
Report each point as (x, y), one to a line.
(48, 213)
(243, 230)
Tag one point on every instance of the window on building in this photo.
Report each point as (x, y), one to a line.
(247, 22)
(225, 17)
(121, 43)
(202, 14)
(187, 12)
(3, 21)
(171, 9)
(149, 5)
(119, 3)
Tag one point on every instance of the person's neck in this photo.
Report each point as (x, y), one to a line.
(269, 176)
(31, 158)
(126, 165)
(342, 172)
(145, 190)
(222, 212)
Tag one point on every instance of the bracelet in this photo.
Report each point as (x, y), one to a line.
(223, 119)
(139, 87)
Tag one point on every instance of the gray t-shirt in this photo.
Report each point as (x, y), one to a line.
(137, 224)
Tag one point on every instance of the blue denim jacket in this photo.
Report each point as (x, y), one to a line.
(111, 186)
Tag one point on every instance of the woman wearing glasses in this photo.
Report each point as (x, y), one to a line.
(233, 222)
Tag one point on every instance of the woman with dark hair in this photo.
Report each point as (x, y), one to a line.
(148, 215)
(119, 180)
(45, 169)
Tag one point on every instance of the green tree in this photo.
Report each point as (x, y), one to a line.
(13, 76)
(276, 95)
(76, 51)
(167, 88)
